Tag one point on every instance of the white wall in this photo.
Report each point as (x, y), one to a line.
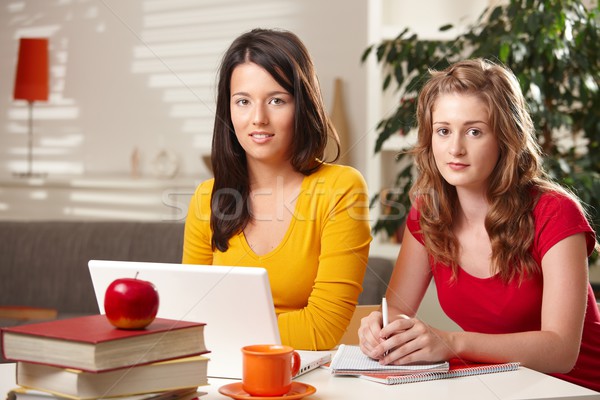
(141, 73)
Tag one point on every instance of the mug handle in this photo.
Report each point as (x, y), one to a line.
(295, 363)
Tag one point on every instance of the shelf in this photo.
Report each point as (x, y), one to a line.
(100, 197)
(121, 182)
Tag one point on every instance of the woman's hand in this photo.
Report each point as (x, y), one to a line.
(369, 333)
(403, 341)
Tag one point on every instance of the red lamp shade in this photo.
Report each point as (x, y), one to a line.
(31, 81)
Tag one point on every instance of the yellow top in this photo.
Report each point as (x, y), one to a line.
(316, 272)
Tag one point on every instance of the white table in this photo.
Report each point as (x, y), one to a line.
(521, 384)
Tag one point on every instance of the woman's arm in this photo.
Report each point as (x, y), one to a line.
(407, 286)
(552, 349)
(410, 279)
(344, 236)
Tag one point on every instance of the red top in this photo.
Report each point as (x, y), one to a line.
(489, 306)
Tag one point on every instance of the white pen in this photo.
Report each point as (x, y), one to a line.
(384, 311)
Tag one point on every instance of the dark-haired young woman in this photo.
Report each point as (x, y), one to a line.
(274, 202)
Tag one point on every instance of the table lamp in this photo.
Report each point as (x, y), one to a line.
(31, 84)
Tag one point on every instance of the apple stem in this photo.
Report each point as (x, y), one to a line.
(136, 274)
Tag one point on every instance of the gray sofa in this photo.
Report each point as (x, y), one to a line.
(44, 263)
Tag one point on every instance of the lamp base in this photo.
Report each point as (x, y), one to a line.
(27, 175)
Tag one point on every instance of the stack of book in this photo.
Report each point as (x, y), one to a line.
(88, 358)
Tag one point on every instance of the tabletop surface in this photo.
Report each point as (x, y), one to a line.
(521, 384)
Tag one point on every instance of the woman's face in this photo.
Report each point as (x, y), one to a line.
(262, 113)
(464, 147)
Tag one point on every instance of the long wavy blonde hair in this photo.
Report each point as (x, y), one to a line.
(514, 185)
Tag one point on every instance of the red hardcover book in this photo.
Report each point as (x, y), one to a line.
(92, 344)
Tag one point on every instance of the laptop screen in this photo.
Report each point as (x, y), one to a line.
(235, 303)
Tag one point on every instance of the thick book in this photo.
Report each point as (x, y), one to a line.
(350, 360)
(91, 343)
(21, 393)
(188, 372)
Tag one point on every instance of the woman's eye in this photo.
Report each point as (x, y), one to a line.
(443, 131)
(277, 101)
(242, 102)
(474, 132)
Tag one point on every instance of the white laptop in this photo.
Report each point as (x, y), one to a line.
(235, 303)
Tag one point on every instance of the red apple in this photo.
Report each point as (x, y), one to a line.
(131, 303)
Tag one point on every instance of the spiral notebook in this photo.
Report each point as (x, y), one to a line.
(350, 360)
(366, 368)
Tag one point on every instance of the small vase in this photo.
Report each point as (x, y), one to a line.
(340, 121)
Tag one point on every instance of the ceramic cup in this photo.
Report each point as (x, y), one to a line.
(268, 369)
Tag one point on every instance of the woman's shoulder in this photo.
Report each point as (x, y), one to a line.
(341, 173)
(558, 215)
(204, 190)
(551, 202)
(199, 205)
(206, 186)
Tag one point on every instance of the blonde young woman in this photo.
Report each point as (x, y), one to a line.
(507, 247)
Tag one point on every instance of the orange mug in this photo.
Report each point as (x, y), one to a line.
(268, 369)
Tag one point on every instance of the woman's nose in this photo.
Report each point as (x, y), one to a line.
(260, 115)
(457, 147)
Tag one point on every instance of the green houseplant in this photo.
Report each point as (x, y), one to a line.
(552, 46)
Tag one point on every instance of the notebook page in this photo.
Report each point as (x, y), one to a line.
(350, 359)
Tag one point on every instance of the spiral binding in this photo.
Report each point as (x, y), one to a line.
(477, 370)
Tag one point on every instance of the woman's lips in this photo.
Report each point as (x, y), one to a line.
(261, 137)
(457, 166)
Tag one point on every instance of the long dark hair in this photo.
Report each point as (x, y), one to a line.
(283, 55)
